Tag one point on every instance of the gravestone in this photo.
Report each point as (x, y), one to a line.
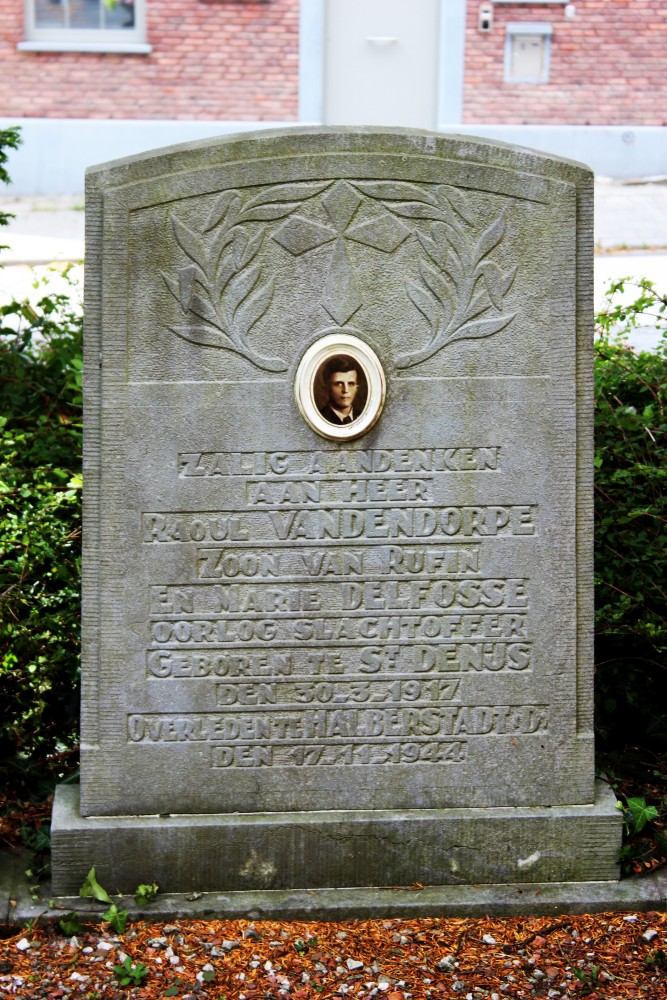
(332, 654)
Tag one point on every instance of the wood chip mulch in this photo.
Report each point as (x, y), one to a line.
(609, 955)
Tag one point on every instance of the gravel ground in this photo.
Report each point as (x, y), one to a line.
(606, 955)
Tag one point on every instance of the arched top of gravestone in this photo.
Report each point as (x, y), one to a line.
(233, 226)
(340, 143)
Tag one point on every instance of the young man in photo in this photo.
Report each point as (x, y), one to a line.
(340, 376)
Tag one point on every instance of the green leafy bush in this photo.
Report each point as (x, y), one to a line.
(631, 524)
(10, 138)
(40, 488)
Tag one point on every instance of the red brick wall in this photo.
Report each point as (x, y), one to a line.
(608, 66)
(222, 60)
(234, 60)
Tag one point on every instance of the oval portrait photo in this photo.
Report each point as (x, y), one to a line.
(340, 386)
(341, 389)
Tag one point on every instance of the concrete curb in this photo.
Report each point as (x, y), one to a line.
(637, 895)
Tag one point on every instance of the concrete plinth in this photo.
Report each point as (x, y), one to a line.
(334, 849)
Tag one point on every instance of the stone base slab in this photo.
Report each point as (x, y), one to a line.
(18, 905)
(536, 899)
(330, 850)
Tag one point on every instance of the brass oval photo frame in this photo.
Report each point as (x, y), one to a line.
(305, 388)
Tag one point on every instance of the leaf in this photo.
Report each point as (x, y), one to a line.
(480, 303)
(507, 280)
(226, 271)
(255, 306)
(172, 991)
(189, 242)
(222, 239)
(449, 216)
(204, 310)
(458, 201)
(186, 282)
(239, 244)
(70, 924)
(481, 328)
(497, 282)
(91, 887)
(395, 191)
(296, 192)
(460, 252)
(116, 918)
(208, 336)
(453, 269)
(436, 244)
(435, 282)
(267, 212)
(416, 210)
(208, 976)
(424, 302)
(145, 893)
(226, 208)
(641, 813)
(436, 251)
(493, 280)
(239, 288)
(173, 286)
(250, 251)
(491, 237)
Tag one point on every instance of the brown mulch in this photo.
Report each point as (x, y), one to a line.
(609, 955)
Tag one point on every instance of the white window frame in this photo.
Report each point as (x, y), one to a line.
(130, 40)
(512, 29)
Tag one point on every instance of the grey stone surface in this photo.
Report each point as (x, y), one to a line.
(634, 894)
(320, 849)
(277, 623)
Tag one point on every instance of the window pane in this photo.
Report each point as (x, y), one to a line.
(50, 14)
(84, 14)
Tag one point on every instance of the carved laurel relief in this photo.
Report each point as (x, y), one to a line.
(223, 291)
(223, 287)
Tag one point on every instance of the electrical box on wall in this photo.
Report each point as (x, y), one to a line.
(485, 22)
(527, 52)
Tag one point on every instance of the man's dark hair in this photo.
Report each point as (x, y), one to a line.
(340, 363)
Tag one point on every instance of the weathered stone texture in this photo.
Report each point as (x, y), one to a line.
(394, 624)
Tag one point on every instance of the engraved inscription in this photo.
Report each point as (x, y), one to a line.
(442, 658)
(307, 755)
(391, 560)
(393, 628)
(344, 523)
(357, 462)
(358, 645)
(284, 725)
(332, 596)
(335, 692)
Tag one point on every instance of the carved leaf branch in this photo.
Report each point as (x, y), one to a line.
(222, 291)
(461, 298)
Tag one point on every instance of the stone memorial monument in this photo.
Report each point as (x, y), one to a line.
(338, 522)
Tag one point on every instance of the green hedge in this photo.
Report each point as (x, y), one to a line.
(40, 530)
(40, 438)
(631, 524)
